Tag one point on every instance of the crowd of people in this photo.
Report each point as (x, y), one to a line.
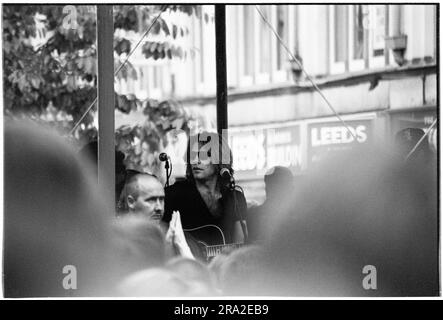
(312, 236)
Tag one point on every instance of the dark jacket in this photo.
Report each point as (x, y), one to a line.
(183, 196)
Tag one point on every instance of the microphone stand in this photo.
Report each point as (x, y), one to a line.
(232, 188)
(167, 172)
(164, 157)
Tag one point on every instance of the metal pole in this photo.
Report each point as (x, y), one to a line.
(220, 65)
(105, 92)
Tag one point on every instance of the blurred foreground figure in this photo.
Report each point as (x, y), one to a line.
(362, 212)
(199, 277)
(279, 188)
(89, 153)
(141, 250)
(138, 243)
(239, 272)
(406, 140)
(55, 221)
(154, 282)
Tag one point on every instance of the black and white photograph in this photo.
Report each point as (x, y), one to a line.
(220, 150)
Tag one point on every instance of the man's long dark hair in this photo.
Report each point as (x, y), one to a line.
(223, 150)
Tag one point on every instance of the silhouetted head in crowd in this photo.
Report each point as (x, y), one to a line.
(239, 272)
(89, 152)
(278, 183)
(217, 262)
(279, 188)
(138, 243)
(143, 194)
(54, 218)
(153, 282)
(407, 139)
(195, 273)
(363, 208)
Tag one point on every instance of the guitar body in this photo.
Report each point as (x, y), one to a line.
(206, 242)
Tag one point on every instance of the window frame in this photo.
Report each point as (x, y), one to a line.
(244, 79)
(354, 64)
(375, 61)
(335, 67)
(280, 75)
(262, 77)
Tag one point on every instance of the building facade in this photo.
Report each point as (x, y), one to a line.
(376, 65)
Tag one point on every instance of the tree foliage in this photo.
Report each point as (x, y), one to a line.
(57, 78)
(143, 143)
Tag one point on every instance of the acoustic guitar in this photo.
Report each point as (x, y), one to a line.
(207, 242)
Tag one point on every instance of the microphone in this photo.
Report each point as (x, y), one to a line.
(163, 157)
(224, 173)
(227, 176)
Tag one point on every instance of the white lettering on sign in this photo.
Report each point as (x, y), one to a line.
(281, 137)
(251, 152)
(248, 151)
(428, 120)
(337, 135)
(285, 155)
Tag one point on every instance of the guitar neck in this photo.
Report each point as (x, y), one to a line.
(212, 251)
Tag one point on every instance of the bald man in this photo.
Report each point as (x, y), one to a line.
(144, 195)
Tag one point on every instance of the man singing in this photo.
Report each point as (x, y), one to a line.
(206, 198)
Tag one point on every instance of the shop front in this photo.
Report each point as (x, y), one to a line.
(256, 149)
(331, 137)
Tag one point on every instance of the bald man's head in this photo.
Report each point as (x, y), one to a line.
(145, 195)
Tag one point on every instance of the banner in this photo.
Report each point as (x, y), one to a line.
(327, 137)
(257, 150)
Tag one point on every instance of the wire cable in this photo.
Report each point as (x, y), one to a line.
(421, 140)
(305, 72)
(321, 93)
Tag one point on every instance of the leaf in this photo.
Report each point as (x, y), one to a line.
(156, 28)
(165, 28)
(174, 31)
(89, 65)
(169, 53)
(35, 81)
(153, 46)
(180, 52)
(177, 123)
